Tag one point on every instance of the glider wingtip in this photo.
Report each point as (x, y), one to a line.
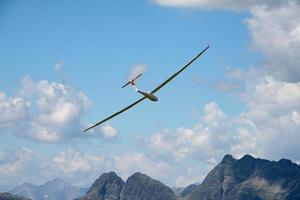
(84, 130)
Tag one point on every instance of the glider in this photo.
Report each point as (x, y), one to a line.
(147, 95)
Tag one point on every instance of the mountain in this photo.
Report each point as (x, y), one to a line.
(137, 187)
(56, 189)
(247, 178)
(142, 187)
(107, 187)
(250, 179)
(184, 193)
(8, 196)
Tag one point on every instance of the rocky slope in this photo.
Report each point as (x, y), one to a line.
(250, 179)
(56, 189)
(137, 187)
(142, 187)
(8, 196)
(107, 187)
(188, 190)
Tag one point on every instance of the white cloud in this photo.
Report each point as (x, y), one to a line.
(106, 131)
(208, 139)
(84, 168)
(275, 32)
(17, 167)
(129, 163)
(43, 111)
(12, 163)
(136, 70)
(193, 176)
(235, 5)
(12, 109)
(109, 132)
(272, 120)
(76, 166)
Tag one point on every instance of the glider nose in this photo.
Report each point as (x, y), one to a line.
(152, 97)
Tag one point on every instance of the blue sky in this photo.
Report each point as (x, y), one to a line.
(84, 53)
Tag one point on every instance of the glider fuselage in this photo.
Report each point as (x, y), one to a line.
(149, 95)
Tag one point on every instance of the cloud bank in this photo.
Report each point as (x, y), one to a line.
(232, 5)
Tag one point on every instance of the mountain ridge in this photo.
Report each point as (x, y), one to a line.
(250, 178)
(56, 189)
(247, 178)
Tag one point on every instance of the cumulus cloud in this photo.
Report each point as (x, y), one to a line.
(17, 167)
(77, 167)
(129, 163)
(13, 109)
(275, 33)
(12, 162)
(208, 139)
(84, 168)
(109, 132)
(192, 176)
(272, 117)
(43, 111)
(272, 120)
(106, 131)
(235, 5)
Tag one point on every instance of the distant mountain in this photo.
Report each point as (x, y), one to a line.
(56, 189)
(250, 179)
(107, 187)
(184, 193)
(8, 196)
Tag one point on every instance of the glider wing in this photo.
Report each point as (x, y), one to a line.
(117, 113)
(178, 72)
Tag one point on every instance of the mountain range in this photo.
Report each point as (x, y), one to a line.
(247, 178)
(56, 189)
(232, 179)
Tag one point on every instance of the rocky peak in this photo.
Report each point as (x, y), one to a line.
(141, 187)
(228, 159)
(107, 187)
(250, 178)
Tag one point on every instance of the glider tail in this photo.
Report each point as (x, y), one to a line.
(132, 81)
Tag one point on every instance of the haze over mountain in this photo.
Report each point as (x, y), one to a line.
(56, 189)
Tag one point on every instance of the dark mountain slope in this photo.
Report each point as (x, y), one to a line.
(142, 187)
(8, 196)
(250, 179)
(107, 187)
